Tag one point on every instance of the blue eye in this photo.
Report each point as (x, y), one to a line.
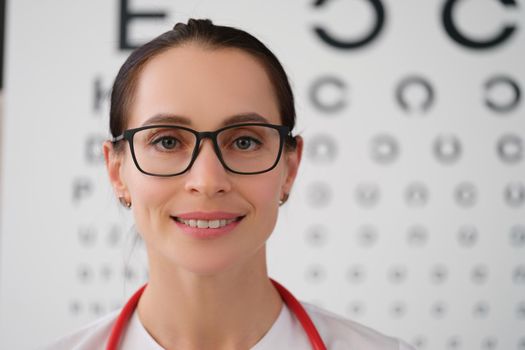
(244, 143)
(166, 142)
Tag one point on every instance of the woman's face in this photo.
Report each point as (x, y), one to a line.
(207, 87)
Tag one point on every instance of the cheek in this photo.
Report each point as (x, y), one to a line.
(149, 196)
(264, 194)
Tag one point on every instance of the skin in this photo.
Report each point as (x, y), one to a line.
(205, 294)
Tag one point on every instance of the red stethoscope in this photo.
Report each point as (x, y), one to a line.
(288, 298)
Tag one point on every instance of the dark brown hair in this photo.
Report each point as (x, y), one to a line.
(209, 35)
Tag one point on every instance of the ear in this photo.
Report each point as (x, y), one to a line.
(293, 159)
(113, 162)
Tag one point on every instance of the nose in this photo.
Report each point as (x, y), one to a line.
(207, 176)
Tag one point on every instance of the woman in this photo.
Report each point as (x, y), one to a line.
(206, 202)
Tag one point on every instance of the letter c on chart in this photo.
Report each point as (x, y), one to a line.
(453, 32)
(349, 44)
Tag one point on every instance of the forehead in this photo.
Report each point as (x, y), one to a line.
(206, 86)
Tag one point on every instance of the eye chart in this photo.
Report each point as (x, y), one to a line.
(408, 213)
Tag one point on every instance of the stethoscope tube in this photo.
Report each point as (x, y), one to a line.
(313, 335)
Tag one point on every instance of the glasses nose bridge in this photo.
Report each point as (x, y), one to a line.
(212, 135)
(207, 135)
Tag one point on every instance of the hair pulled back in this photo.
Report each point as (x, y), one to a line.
(209, 35)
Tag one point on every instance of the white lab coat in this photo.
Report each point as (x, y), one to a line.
(286, 333)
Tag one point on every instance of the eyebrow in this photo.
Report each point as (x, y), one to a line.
(167, 118)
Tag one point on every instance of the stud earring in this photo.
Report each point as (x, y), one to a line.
(284, 199)
(124, 202)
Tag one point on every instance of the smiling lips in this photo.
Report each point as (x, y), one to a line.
(210, 225)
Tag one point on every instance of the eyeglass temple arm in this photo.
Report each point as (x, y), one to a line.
(117, 139)
(291, 138)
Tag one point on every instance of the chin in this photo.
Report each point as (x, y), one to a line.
(207, 265)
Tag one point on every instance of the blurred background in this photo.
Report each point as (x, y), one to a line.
(408, 214)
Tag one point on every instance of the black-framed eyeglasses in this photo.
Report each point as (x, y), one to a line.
(170, 150)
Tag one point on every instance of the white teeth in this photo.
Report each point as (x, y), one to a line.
(214, 224)
(206, 223)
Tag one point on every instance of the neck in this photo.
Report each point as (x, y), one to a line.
(230, 310)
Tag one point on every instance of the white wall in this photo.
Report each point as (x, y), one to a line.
(348, 239)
